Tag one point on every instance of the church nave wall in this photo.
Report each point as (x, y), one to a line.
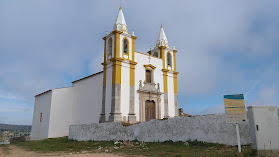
(87, 104)
(40, 123)
(61, 112)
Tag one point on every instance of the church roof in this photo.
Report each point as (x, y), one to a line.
(120, 23)
(43, 92)
(49, 91)
(162, 38)
(72, 82)
(87, 77)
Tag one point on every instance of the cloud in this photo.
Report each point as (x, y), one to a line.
(214, 110)
(10, 106)
(268, 96)
(223, 46)
(5, 95)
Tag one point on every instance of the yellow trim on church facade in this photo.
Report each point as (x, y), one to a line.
(116, 70)
(175, 82)
(132, 63)
(104, 64)
(133, 47)
(105, 75)
(165, 77)
(132, 73)
(116, 60)
(149, 66)
(175, 73)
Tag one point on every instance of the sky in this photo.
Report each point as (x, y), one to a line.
(224, 47)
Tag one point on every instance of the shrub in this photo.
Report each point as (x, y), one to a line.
(17, 139)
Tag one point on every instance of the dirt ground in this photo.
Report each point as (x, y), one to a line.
(14, 151)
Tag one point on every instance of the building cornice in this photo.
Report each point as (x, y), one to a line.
(149, 66)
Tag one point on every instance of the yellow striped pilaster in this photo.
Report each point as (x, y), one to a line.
(165, 78)
(116, 70)
(174, 60)
(175, 82)
(132, 73)
(175, 72)
(133, 47)
(162, 55)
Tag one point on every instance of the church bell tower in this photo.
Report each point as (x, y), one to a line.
(119, 52)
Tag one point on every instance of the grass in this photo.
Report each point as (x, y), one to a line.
(62, 144)
(152, 149)
(5, 148)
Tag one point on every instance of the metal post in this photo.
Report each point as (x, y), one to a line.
(238, 138)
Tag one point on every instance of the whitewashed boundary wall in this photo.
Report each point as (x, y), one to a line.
(209, 128)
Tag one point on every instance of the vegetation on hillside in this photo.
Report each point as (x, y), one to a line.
(10, 127)
(175, 149)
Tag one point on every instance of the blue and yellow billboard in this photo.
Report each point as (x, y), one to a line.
(235, 108)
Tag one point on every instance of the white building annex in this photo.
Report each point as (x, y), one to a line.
(133, 87)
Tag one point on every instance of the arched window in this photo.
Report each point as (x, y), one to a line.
(148, 76)
(110, 46)
(169, 59)
(126, 46)
(155, 54)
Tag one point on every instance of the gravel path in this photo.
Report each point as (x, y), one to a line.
(15, 151)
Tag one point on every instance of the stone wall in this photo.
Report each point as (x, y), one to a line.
(209, 128)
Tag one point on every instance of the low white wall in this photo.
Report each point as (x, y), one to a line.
(210, 128)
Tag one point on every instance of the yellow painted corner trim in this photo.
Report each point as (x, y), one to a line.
(175, 85)
(116, 70)
(150, 66)
(105, 51)
(116, 31)
(165, 70)
(117, 59)
(133, 49)
(133, 62)
(174, 60)
(116, 45)
(134, 37)
(163, 47)
(105, 76)
(165, 78)
(132, 75)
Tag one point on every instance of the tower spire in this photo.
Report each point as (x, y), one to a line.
(120, 23)
(162, 39)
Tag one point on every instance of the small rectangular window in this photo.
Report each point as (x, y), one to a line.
(148, 76)
(41, 116)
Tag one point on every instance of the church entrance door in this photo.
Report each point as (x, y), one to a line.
(149, 110)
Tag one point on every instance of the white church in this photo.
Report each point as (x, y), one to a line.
(133, 87)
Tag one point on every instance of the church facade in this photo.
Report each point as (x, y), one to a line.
(133, 87)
